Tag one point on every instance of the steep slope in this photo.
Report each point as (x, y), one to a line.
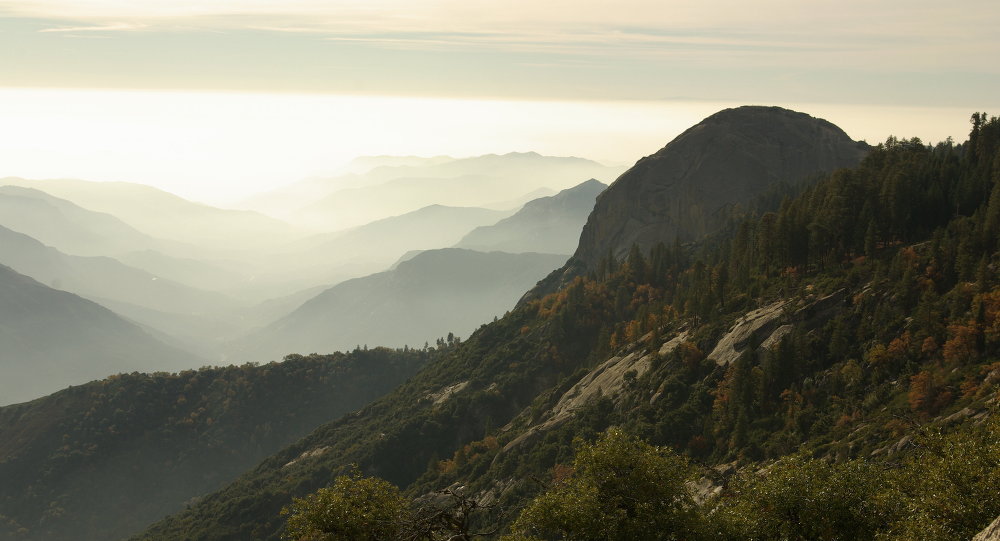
(478, 181)
(548, 225)
(102, 460)
(862, 310)
(683, 190)
(424, 298)
(167, 216)
(50, 339)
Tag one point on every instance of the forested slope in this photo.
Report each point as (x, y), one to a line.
(867, 299)
(102, 460)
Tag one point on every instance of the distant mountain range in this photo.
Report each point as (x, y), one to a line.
(194, 317)
(424, 298)
(383, 191)
(167, 216)
(165, 264)
(67, 226)
(52, 339)
(105, 278)
(546, 225)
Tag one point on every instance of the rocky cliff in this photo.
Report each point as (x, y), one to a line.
(683, 191)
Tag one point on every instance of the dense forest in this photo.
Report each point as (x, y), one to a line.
(825, 336)
(101, 460)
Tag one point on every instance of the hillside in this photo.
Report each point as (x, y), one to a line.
(818, 325)
(435, 293)
(102, 460)
(52, 339)
(549, 225)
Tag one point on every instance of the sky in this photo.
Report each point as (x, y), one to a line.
(215, 99)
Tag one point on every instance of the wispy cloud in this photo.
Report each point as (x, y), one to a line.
(642, 47)
(110, 27)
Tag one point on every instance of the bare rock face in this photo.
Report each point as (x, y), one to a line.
(684, 190)
(991, 533)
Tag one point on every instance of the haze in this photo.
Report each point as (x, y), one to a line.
(218, 99)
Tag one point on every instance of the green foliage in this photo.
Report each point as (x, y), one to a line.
(801, 498)
(944, 489)
(353, 508)
(620, 489)
(186, 434)
(948, 488)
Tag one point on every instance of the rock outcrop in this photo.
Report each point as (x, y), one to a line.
(684, 190)
(608, 379)
(991, 533)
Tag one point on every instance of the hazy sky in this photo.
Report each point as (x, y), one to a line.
(237, 95)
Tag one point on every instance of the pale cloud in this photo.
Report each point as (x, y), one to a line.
(640, 48)
(111, 27)
(885, 18)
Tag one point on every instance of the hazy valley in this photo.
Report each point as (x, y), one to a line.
(763, 293)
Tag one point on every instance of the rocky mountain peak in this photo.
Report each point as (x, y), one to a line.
(684, 190)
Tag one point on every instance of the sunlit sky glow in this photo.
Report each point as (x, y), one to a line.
(217, 98)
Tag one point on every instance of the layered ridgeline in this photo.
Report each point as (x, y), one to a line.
(167, 216)
(393, 187)
(330, 258)
(102, 460)
(52, 339)
(434, 293)
(67, 226)
(549, 225)
(194, 318)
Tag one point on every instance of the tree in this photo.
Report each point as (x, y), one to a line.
(621, 488)
(451, 515)
(353, 508)
(803, 498)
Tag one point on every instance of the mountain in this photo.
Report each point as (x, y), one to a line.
(287, 199)
(435, 293)
(167, 216)
(101, 460)
(333, 257)
(76, 231)
(684, 190)
(871, 310)
(105, 278)
(50, 339)
(66, 226)
(197, 317)
(384, 191)
(364, 164)
(548, 225)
